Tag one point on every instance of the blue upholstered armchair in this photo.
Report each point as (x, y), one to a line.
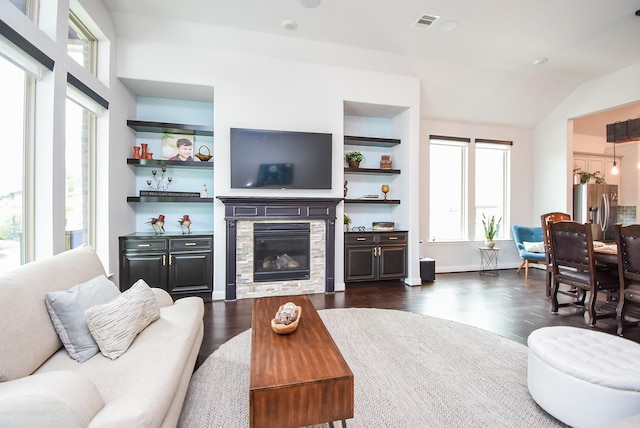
(530, 245)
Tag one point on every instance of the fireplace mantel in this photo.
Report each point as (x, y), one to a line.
(249, 208)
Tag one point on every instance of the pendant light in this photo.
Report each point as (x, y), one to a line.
(614, 168)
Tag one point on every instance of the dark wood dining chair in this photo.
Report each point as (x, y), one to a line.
(628, 244)
(545, 220)
(574, 264)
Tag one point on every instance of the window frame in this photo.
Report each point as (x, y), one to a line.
(471, 217)
(87, 36)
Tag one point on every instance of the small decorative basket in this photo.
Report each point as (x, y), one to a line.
(203, 157)
(285, 314)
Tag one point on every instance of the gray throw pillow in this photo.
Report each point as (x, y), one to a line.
(66, 309)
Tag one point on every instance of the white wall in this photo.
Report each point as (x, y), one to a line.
(252, 91)
(553, 136)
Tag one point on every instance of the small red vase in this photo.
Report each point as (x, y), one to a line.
(136, 152)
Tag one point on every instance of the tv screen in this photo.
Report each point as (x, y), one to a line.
(280, 159)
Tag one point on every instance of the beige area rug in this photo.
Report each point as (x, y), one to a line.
(410, 370)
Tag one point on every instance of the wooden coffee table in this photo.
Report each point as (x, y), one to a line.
(296, 379)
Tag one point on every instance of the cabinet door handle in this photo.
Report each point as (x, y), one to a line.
(190, 244)
(393, 238)
(169, 259)
(144, 245)
(361, 239)
(164, 260)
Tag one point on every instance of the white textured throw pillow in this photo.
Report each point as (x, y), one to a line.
(66, 309)
(116, 324)
(533, 247)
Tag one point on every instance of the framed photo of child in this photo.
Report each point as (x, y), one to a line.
(178, 147)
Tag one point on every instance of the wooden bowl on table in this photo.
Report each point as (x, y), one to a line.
(283, 315)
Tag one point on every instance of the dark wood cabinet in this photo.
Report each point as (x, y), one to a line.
(372, 256)
(181, 264)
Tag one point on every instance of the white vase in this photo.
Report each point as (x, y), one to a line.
(489, 243)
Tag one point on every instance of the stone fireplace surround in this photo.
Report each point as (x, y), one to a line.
(252, 209)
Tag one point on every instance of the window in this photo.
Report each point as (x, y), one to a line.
(448, 189)
(79, 180)
(465, 176)
(13, 87)
(27, 7)
(492, 180)
(81, 44)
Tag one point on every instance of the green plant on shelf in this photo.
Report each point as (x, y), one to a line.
(354, 157)
(586, 177)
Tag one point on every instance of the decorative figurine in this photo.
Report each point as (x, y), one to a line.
(204, 191)
(346, 189)
(157, 224)
(185, 222)
(385, 190)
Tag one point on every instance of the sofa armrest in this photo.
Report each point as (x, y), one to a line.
(56, 398)
(163, 298)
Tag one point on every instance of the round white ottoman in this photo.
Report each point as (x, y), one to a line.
(582, 377)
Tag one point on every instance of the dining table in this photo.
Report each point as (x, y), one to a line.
(605, 252)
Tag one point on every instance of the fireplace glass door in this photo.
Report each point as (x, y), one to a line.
(281, 251)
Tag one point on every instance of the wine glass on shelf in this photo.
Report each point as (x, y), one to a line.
(385, 190)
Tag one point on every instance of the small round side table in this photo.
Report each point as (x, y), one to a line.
(489, 260)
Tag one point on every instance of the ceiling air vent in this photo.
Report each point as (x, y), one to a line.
(425, 22)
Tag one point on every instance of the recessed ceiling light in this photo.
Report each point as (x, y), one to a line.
(540, 61)
(310, 3)
(288, 24)
(447, 26)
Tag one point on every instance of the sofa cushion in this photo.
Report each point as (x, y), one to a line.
(116, 324)
(27, 330)
(59, 398)
(66, 309)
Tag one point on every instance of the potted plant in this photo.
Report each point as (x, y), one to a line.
(586, 177)
(490, 226)
(347, 222)
(354, 159)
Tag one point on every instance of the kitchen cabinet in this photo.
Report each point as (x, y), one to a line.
(373, 256)
(180, 264)
(593, 162)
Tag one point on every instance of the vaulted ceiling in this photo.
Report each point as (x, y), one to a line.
(496, 42)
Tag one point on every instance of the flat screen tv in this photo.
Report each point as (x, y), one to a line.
(280, 159)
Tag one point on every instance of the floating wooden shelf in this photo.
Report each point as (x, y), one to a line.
(167, 199)
(371, 171)
(370, 141)
(372, 201)
(169, 128)
(158, 163)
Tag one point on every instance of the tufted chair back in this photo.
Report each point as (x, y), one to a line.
(628, 243)
(572, 245)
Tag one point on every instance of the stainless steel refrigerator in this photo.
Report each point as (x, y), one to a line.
(597, 204)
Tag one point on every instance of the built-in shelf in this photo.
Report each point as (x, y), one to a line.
(372, 201)
(158, 163)
(370, 141)
(371, 171)
(167, 199)
(169, 128)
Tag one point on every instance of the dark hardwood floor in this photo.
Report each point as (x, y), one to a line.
(508, 305)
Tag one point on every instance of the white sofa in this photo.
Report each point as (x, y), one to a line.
(41, 385)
